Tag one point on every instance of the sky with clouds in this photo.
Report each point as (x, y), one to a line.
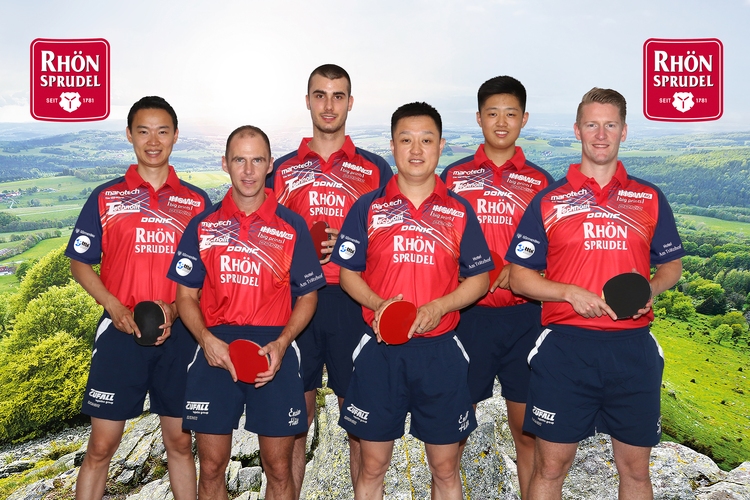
(226, 63)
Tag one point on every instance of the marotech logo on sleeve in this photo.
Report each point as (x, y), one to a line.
(70, 79)
(683, 80)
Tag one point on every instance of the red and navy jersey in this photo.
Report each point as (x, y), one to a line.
(133, 231)
(499, 196)
(249, 266)
(415, 251)
(584, 234)
(325, 191)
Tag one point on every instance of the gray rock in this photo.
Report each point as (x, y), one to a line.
(483, 467)
(250, 478)
(232, 475)
(16, 467)
(68, 460)
(327, 475)
(126, 477)
(735, 486)
(34, 491)
(156, 490)
(245, 447)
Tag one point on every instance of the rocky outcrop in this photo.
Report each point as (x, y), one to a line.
(487, 468)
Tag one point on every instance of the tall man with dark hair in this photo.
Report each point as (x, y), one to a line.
(132, 225)
(411, 240)
(246, 269)
(500, 329)
(320, 181)
(589, 371)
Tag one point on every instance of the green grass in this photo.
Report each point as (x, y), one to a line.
(705, 397)
(40, 249)
(722, 226)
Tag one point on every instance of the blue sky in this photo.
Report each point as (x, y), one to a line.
(222, 64)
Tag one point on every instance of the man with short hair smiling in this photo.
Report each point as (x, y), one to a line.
(120, 226)
(252, 274)
(501, 328)
(427, 375)
(320, 181)
(591, 372)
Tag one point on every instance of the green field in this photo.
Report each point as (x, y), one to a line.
(705, 394)
(722, 226)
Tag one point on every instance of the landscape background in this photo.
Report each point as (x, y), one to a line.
(230, 63)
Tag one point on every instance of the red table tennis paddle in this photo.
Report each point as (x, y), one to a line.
(498, 261)
(149, 316)
(396, 320)
(246, 360)
(319, 235)
(626, 293)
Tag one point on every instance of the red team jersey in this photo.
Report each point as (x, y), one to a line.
(499, 196)
(134, 231)
(249, 266)
(414, 251)
(325, 191)
(584, 234)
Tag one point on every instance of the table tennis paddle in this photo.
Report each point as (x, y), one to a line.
(498, 261)
(246, 360)
(318, 233)
(396, 320)
(626, 293)
(149, 316)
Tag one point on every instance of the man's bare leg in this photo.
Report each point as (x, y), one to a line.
(524, 443)
(180, 460)
(444, 461)
(103, 442)
(551, 464)
(213, 453)
(354, 452)
(632, 466)
(299, 452)
(376, 457)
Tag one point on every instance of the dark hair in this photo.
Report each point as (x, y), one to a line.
(502, 85)
(416, 109)
(251, 131)
(151, 102)
(603, 96)
(332, 72)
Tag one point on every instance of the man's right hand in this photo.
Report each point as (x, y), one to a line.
(122, 317)
(217, 354)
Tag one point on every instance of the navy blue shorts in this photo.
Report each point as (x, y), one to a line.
(330, 338)
(214, 403)
(586, 381)
(122, 372)
(425, 376)
(498, 341)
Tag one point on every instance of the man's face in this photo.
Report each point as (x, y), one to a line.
(416, 147)
(501, 119)
(152, 136)
(248, 164)
(600, 131)
(329, 103)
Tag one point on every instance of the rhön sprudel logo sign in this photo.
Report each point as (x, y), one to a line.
(683, 79)
(70, 80)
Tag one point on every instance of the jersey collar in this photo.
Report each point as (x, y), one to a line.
(304, 149)
(517, 161)
(392, 191)
(266, 210)
(577, 180)
(133, 179)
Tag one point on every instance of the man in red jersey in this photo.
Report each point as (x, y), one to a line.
(321, 181)
(589, 371)
(246, 270)
(132, 225)
(500, 329)
(410, 240)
